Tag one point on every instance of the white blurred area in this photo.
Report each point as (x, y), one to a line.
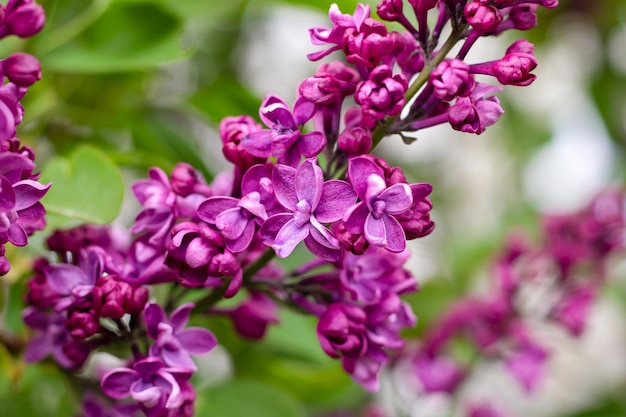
(480, 180)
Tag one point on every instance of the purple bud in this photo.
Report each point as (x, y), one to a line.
(184, 179)
(521, 46)
(352, 242)
(112, 298)
(482, 17)
(390, 10)
(23, 18)
(77, 351)
(232, 131)
(422, 5)
(451, 78)
(355, 141)
(382, 95)
(82, 321)
(523, 16)
(515, 68)
(22, 69)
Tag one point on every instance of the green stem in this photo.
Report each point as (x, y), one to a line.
(381, 129)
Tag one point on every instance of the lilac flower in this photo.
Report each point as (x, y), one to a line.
(155, 387)
(341, 23)
(252, 317)
(232, 131)
(330, 85)
(237, 218)
(367, 45)
(373, 215)
(355, 141)
(198, 254)
(572, 310)
(482, 16)
(514, 68)
(527, 361)
(438, 374)
(112, 297)
(21, 69)
(285, 139)
(173, 342)
(310, 202)
(451, 79)
(475, 113)
(381, 95)
(22, 18)
(50, 337)
(75, 283)
(520, 17)
(408, 54)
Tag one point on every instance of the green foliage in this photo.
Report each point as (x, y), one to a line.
(87, 187)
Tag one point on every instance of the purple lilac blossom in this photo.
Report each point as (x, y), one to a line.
(473, 114)
(154, 386)
(173, 342)
(22, 18)
(373, 215)
(309, 202)
(284, 138)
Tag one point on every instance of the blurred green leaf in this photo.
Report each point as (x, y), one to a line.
(245, 398)
(87, 187)
(127, 37)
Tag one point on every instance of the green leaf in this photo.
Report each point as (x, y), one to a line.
(245, 398)
(127, 37)
(87, 187)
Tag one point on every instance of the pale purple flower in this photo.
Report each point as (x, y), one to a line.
(310, 202)
(173, 342)
(284, 138)
(373, 215)
(51, 334)
(75, 283)
(154, 386)
(475, 113)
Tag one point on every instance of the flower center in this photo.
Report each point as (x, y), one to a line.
(378, 208)
(302, 213)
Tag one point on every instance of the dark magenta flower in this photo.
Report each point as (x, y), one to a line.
(22, 18)
(355, 141)
(22, 69)
(482, 16)
(173, 342)
(154, 386)
(232, 131)
(310, 202)
(252, 317)
(450, 79)
(112, 297)
(381, 95)
(475, 113)
(330, 85)
(285, 139)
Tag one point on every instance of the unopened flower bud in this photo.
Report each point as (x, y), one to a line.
(184, 179)
(23, 18)
(523, 16)
(82, 322)
(450, 79)
(355, 141)
(22, 69)
(482, 17)
(390, 10)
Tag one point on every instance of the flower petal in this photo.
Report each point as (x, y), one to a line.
(213, 206)
(309, 182)
(28, 192)
(375, 230)
(359, 169)
(232, 222)
(62, 278)
(288, 238)
(311, 144)
(180, 317)
(398, 198)
(116, 383)
(337, 197)
(196, 340)
(258, 143)
(153, 315)
(284, 181)
(354, 218)
(396, 239)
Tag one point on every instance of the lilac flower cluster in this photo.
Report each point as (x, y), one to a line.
(305, 173)
(570, 263)
(21, 213)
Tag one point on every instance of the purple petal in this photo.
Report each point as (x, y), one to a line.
(28, 192)
(320, 250)
(337, 197)
(252, 203)
(272, 226)
(375, 230)
(177, 358)
(252, 178)
(311, 144)
(243, 241)
(284, 179)
(398, 198)
(420, 191)
(38, 349)
(197, 253)
(359, 169)
(213, 206)
(275, 112)
(396, 239)
(146, 394)
(232, 222)
(116, 383)
(235, 284)
(17, 235)
(148, 366)
(10, 161)
(258, 143)
(7, 195)
(196, 340)
(154, 315)
(355, 216)
(180, 317)
(62, 278)
(309, 182)
(288, 238)
(303, 111)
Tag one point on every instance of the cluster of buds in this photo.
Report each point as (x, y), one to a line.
(21, 213)
(304, 174)
(570, 265)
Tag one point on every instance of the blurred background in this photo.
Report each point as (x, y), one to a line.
(141, 83)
